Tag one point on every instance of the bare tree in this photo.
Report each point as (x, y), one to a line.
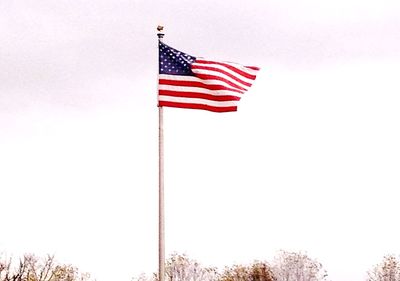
(31, 268)
(181, 268)
(258, 271)
(297, 266)
(387, 270)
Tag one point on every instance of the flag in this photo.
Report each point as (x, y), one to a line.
(186, 81)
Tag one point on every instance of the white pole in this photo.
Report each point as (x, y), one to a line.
(161, 234)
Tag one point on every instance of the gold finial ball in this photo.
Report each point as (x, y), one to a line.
(160, 28)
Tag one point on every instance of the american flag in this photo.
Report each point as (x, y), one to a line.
(189, 82)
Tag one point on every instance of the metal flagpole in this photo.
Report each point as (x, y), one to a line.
(161, 234)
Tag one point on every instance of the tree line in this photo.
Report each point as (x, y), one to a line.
(286, 266)
(32, 268)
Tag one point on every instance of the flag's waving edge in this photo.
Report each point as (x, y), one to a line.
(186, 81)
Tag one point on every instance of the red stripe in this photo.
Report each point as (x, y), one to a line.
(214, 77)
(236, 78)
(197, 84)
(197, 106)
(231, 67)
(197, 96)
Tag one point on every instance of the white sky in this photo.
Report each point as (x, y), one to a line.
(309, 162)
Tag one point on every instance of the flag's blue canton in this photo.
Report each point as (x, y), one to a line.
(174, 62)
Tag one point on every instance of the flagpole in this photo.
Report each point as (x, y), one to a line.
(161, 233)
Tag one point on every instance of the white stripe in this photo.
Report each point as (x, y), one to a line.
(179, 77)
(199, 90)
(220, 74)
(224, 68)
(196, 79)
(234, 64)
(199, 101)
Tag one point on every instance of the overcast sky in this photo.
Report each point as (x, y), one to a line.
(310, 162)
